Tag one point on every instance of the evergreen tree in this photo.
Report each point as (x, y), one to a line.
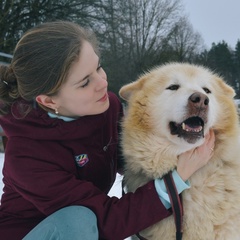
(237, 68)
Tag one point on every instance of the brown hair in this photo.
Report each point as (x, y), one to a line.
(41, 61)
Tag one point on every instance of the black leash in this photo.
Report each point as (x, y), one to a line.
(140, 237)
(176, 204)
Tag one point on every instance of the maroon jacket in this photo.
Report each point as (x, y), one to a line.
(51, 164)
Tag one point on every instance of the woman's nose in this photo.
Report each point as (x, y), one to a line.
(101, 81)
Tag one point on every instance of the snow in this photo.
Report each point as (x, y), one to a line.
(115, 191)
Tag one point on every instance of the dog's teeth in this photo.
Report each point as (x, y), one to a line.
(185, 128)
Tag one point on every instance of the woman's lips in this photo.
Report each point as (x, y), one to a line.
(104, 98)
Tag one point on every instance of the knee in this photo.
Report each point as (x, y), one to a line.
(73, 222)
(78, 220)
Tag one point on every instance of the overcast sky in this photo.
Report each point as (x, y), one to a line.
(215, 20)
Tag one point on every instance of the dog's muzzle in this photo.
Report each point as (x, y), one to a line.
(192, 128)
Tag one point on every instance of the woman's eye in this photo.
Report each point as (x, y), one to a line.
(85, 84)
(173, 87)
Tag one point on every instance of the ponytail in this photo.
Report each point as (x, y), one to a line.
(8, 89)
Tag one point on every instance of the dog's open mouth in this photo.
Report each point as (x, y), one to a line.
(191, 129)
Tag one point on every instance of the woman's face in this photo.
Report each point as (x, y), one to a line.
(85, 91)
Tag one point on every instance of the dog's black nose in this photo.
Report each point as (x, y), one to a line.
(199, 100)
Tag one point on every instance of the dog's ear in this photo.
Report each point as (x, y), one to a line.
(127, 90)
(228, 90)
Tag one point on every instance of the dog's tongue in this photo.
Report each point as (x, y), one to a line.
(191, 128)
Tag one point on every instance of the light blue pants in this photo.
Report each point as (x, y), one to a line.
(69, 223)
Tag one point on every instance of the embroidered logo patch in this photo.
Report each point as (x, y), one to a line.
(81, 160)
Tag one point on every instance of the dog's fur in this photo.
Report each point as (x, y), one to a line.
(158, 103)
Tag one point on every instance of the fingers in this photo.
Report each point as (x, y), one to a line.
(208, 135)
(209, 144)
(206, 150)
(211, 140)
(194, 159)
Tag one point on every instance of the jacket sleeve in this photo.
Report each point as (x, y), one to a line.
(50, 187)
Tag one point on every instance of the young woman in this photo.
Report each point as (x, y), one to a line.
(61, 157)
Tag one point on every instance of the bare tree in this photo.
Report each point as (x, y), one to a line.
(134, 33)
(184, 41)
(17, 16)
(151, 23)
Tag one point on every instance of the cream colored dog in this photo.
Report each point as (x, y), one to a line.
(170, 109)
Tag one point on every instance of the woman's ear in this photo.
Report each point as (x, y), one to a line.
(46, 101)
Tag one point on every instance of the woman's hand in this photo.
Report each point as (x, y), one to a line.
(192, 160)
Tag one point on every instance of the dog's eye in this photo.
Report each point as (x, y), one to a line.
(206, 90)
(173, 87)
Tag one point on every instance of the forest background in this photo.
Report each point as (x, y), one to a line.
(134, 35)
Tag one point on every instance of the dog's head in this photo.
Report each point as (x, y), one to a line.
(179, 102)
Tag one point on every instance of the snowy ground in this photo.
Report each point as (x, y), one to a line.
(115, 191)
